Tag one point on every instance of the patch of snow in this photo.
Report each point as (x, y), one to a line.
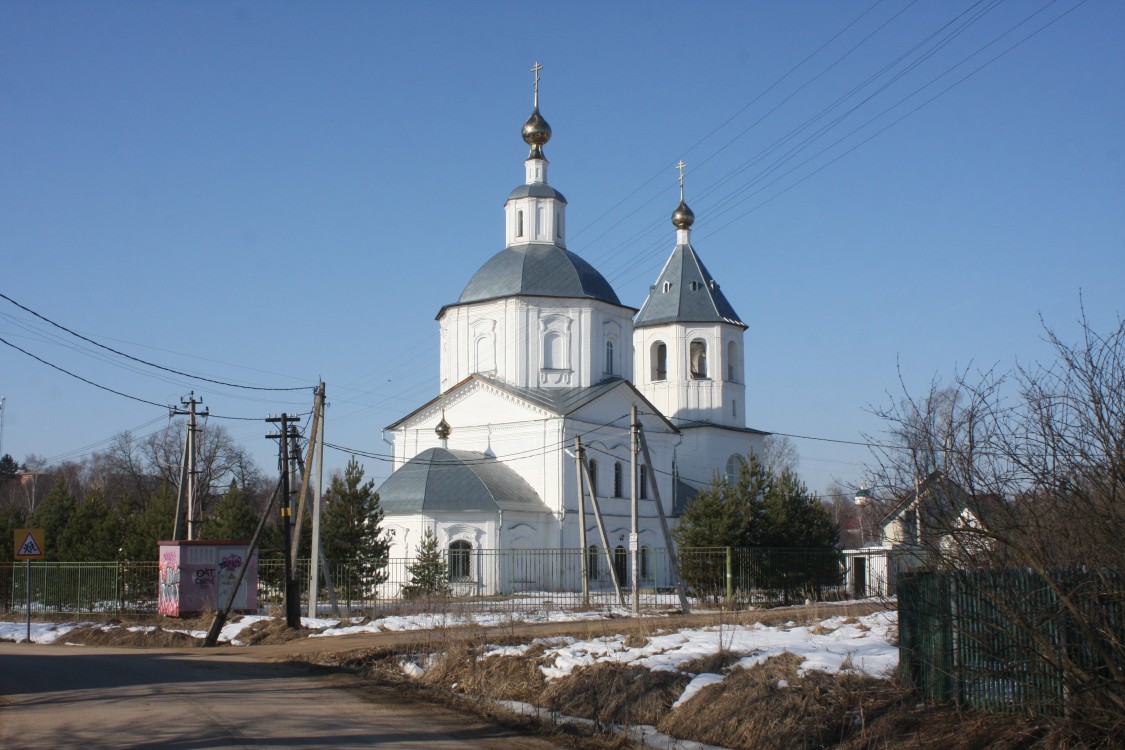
(41, 632)
(697, 683)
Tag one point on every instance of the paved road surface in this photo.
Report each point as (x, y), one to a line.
(62, 697)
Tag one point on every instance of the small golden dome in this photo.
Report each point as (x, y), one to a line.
(443, 430)
(536, 132)
(682, 217)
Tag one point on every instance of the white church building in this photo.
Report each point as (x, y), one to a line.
(538, 350)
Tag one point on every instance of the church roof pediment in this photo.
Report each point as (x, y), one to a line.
(560, 402)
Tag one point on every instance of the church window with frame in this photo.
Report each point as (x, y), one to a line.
(592, 562)
(460, 560)
(593, 477)
(621, 564)
(659, 361)
(642, 481)
(697, 358)
(519, 223)
(553, 355)
(609, 364)
(734, 468)
(617, 479)
(644, 563)
(732, 359)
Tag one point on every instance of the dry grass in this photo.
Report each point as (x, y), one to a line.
(615, 693)
(715, 663)
(750, 710)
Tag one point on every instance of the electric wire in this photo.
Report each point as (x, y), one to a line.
(142, 361)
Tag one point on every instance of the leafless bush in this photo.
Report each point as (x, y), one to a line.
(1025, 470)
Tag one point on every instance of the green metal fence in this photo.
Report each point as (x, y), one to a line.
(484, 579)
(1012, 640)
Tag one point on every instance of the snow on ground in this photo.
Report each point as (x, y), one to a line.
(484, 619)
(829, 646)
(863, 645)
(41, 632)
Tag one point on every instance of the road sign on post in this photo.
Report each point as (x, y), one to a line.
(29, 544)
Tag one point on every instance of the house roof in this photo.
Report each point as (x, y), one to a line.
(443, 480)
(686, 292)
(942, 500)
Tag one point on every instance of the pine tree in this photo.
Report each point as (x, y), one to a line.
(232, 518)
(351, 526)
(8, 468)
(155, 524)
(52, 515)
(429, 575)
(93, 532)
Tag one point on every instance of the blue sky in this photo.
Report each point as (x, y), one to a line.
(271, 193)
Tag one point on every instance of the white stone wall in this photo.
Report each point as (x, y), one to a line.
(506, 339)
(718, 397)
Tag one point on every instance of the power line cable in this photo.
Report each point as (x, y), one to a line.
(142, 361)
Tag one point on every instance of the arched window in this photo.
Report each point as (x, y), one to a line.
(460, 560)
(698, 358)
(659, 361)
(592, 562)
(519, 223)
(642, 481)
(609, 366)
(485, 355)
(620, 564)
(732, 358)
(644, 562)
(667, 286)
(617, 479)
(734, 467)
(593, 477)
(553, 351)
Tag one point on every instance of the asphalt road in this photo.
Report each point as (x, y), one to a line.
(62, 697)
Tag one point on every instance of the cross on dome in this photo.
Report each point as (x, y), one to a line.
(536, 131)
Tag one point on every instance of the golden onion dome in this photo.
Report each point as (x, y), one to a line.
(443, 430)
(682, 217)
(536, 132)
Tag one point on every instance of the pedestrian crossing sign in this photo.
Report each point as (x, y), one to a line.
(29, 544)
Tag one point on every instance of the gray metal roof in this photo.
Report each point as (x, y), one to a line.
(439, 479)
(561, 401)
(537, 269)
(693, 295)
(537, 190)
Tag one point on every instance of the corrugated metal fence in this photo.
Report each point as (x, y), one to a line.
(483, 579)
(1012, 640)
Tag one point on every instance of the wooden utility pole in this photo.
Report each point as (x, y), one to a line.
(188, 474)
(578, 459)
(315, 455)
(673, 561)
(634, 530)
(292, 588)
(601, 532)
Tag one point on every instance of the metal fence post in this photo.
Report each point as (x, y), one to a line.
(730, 579)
